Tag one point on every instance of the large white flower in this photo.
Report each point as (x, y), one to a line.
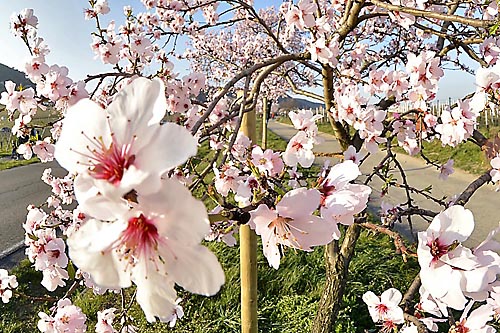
(122, 148)
(449, 269)
(341, 200)
(154, 245)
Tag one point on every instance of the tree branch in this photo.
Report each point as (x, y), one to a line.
(478, 23)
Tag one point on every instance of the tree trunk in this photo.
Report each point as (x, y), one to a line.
(265, 110)
(336, 259)
(337, 266)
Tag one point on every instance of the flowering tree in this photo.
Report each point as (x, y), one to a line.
(130, 148)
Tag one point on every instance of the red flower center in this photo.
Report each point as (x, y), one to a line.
(141, 236)
(110, 163)
(382, 308)
(460, 327)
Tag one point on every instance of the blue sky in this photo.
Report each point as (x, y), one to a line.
(62, 25)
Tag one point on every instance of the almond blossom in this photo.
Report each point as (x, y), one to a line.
(386, 307)
(123, 148)
(68, 318)
(351, 154)
(8, 97)
(304, 120)
(299, 151)
(476, 321)
(154, 245)
(44, 149)
(7, 284)
(446, 169)
(291, 224)
(268, 162)
(449, 270)
(105, 321)
(340, 200)
(495, 173)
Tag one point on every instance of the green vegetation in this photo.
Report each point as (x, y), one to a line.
(8, 163)
(287, 297)
(467, 156)
(41, 119)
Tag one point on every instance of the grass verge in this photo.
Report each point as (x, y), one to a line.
(467, 156)
(8, 163)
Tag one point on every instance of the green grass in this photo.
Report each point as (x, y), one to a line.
(41, 119)
(8, 164)
(467, 156)
(287, 298)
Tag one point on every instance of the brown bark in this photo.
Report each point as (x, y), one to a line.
(337, 259)
(337, 264)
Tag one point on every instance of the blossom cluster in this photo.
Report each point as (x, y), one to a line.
(7, 284)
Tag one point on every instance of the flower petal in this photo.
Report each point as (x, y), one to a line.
(89, 248)
(138, 105)
(170, 146)
(181, 216)
(85, 122)
(299, 203)
(194, 268)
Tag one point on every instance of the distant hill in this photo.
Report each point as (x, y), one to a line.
(290, 103)
(10, 74)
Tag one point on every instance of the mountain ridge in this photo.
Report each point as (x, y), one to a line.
(10, 74)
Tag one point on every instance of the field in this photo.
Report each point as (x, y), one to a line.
(7, 139)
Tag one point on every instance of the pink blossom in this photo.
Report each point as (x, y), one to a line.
(25, 149)
(448, 269)
(56, 83)
(26, 102)
(320, 51)
(67, 319)
(304, 120)
(154, 245)
(299, 150)
(340, 200)
(177, 313)
(24, 23)
(386, 307)
(7, 284)
(495, 173)
(267, 161)
(476, 321)
(446, 170)
(244, 193)
(351, 154)
(123, 148)
(228, 179)
(101, 7)
(44, 150)
(9, 97)
(105, 321)
(291, 224)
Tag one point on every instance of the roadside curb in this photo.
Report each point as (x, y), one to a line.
(12, 256)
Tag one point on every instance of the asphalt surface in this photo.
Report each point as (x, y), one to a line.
(484, 204)
(20, 187)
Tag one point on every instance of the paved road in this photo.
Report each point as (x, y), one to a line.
(20, 187)
(484, 204)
